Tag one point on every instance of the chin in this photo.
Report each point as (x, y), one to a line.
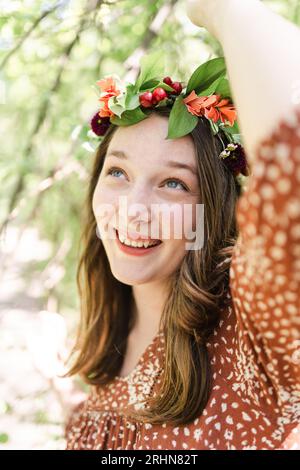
(131, 280)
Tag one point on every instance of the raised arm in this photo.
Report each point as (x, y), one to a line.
(262, 52)
(263, 60)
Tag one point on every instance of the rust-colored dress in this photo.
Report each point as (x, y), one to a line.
(254, 351)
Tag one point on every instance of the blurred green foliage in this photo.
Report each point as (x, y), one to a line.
(51, 55)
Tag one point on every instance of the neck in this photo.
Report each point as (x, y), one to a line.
(148, 303)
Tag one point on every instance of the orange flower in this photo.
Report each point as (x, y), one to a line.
(197, 104)
(107, 86)
(212, 107)
(223, 110)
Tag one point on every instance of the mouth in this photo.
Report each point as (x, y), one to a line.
(134, 247)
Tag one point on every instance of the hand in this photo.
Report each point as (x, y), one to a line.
(205, 13)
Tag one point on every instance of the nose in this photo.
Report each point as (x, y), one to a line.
(135, 213)
(139, 199)
(139, 192)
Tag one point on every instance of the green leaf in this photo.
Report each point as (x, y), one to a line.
(152, 84)
(206, 74)
(149, 85)
(131, 99)
(129, 117)
(166, 87)
(223, 88)
(232, 129)
(211, 90)
(117, 104)
(162, 103)
(181, 121)
(132, 102)
(120, 99)
(237, 138)
(152, 66)
(214, 126)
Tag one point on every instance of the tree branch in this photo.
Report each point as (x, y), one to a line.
(26, 35)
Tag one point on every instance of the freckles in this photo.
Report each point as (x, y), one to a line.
(104, 209)
(103, 194)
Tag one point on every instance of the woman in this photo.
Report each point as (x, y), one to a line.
(200, 349)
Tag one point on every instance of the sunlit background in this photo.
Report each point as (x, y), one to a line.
(51, 54)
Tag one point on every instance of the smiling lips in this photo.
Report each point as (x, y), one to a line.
(140, 245)
(135, 237)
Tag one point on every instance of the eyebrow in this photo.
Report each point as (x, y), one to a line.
(171, 163)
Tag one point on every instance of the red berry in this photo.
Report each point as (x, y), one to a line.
(177, 87)
(146, 99)
(168, 81)
(159, 94)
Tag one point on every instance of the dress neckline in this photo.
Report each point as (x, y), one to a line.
(125, 378)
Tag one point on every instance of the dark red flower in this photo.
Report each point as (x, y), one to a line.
(99, 124)
(236, 159)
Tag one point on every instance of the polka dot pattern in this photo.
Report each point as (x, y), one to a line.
(255, 349)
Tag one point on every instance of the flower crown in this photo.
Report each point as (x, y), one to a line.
(207, 94)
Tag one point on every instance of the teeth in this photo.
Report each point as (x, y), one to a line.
(135, 244)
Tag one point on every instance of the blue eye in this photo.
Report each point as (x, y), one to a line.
(176, 183)
(116, 172)
(111, 171)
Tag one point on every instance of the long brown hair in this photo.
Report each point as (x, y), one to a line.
(198, 294)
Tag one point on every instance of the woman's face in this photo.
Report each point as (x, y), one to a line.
(147, 173)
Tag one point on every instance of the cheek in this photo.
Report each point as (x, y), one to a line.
(104, 205)
(99, 194)
(173, 255)
(178, 221)
(103, 195)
